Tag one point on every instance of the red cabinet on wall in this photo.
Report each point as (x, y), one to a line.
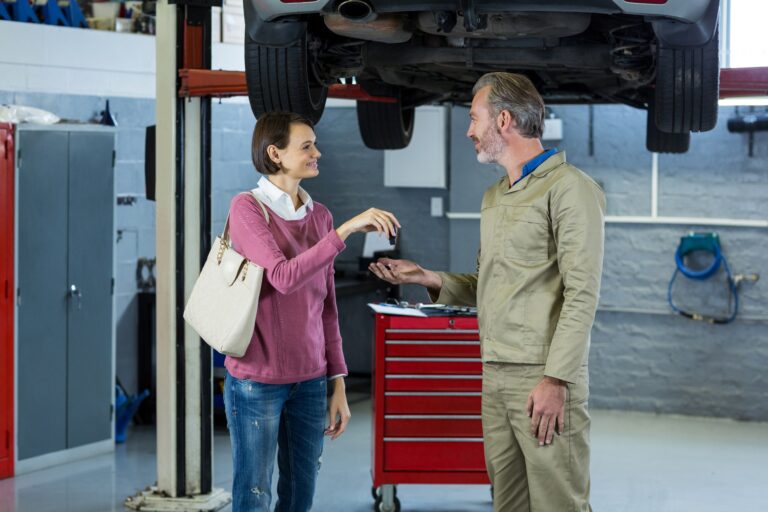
(426, 404)
(6, 299)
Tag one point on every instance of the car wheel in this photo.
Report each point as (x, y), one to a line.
(688, 87)
(385, 125)
(658, 141)
(282, 79)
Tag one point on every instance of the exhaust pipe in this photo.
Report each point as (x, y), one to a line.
(358, 11)
(357, 19)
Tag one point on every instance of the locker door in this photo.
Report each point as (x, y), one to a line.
(42, 308)
(91, 197)
(6, 300)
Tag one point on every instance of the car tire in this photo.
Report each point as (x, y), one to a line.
(282, 79)
(657, 141)
(687, 88)
(385, 125)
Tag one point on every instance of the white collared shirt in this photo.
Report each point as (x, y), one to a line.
(280, 202)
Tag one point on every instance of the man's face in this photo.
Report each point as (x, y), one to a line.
(483, 129)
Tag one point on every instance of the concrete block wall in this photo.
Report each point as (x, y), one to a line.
(644, 357)
(134, 224)
(351, 180)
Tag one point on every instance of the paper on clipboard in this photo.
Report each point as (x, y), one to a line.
(375, 242)
(391, 309)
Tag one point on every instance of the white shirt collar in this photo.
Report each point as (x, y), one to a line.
(280, 202)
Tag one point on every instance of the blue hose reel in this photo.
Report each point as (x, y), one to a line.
(709, 243)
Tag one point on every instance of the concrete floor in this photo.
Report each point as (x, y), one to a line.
(640, 463)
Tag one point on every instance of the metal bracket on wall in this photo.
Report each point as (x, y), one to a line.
(125, 200)
(750, 123)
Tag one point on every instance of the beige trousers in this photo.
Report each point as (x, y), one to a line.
(527, 477)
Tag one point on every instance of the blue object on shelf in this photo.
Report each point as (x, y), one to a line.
(4, 14)
(74, 15)
(23, 11)
(52, 14)
(126, 407)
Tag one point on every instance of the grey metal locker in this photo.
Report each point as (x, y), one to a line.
(65, 232)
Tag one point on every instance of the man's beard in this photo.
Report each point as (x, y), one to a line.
(491, 146)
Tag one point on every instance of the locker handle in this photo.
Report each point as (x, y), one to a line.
(74, 292)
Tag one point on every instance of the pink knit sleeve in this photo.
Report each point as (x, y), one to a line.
(334, 354)
(251, 236)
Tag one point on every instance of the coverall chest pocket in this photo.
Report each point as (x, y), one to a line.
(525, 234)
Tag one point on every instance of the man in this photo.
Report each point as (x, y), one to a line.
(536, 290)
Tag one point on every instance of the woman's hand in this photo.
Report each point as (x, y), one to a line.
(338, 410)
(372, 219)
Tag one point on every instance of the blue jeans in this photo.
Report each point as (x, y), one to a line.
(263, 417)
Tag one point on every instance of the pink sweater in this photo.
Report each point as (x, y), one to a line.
(297, 325)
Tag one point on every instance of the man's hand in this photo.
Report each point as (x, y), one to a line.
(546, 408)
(338, 410)
(405, 272)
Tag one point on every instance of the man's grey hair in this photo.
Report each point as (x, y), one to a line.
(517, 95)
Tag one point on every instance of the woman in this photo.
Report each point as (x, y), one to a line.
(275, 394)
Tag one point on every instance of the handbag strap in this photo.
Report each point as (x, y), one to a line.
(225, 234)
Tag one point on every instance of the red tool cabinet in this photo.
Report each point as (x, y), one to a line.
(427, 380)
(6, 299)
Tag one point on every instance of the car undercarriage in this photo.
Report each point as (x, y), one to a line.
(417, 57)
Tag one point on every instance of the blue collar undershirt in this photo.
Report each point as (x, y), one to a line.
(533, 163)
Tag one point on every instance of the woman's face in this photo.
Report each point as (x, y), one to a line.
(299, 158)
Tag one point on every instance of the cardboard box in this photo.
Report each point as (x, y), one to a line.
(101, 23)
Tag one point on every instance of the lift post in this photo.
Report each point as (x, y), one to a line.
(183, 226)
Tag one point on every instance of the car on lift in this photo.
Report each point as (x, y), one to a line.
(657, 55)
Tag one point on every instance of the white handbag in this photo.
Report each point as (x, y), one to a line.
(223, 303)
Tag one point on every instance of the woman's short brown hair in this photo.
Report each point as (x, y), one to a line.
(272, 128)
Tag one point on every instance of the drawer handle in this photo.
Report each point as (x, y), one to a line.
(435, 331)
(436, 359)
(432, 417)
(430, 342)
(413, 376)
(432, 393)
(433, 439)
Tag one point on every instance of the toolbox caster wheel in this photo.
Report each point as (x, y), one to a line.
(381, 507)
(376, 492)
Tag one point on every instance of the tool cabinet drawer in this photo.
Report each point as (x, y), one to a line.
(408, 382)
(432, 323)
(433, 365)
(396, 402)
(415, 454)
(417, 425)
(432, 348)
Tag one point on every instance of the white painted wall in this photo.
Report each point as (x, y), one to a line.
(64, 60)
